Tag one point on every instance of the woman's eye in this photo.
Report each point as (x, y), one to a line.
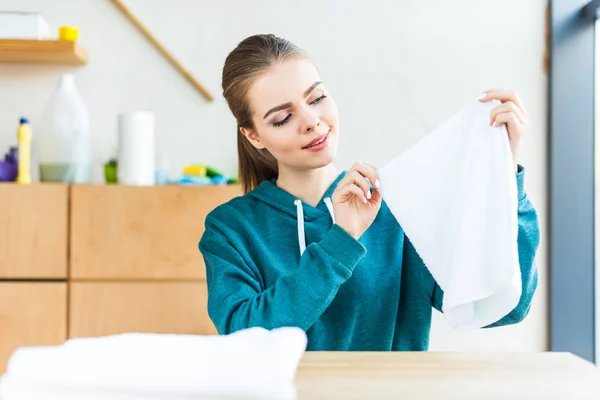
(283, 121)
(287, 118)
(318, 99)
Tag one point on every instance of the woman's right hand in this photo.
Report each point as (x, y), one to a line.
(354, 205)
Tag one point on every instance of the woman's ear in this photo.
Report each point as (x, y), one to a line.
(252, 138)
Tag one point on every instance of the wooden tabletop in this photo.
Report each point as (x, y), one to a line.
(433, 375)
(416, 375)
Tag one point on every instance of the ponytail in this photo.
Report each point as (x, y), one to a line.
(255, 166)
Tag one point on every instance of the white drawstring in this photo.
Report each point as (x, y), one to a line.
(329, 205)
(300, 217)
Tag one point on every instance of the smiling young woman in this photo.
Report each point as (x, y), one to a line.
(310, 247)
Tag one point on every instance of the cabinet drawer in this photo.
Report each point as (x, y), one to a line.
(141, 232)
(33, 230)
(31, 314)
(105, 308)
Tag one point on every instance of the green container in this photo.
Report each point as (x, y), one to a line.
(110, 172)
(65, 172)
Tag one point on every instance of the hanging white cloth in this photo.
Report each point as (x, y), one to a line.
(455, 195)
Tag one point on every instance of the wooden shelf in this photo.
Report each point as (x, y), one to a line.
(42, 51)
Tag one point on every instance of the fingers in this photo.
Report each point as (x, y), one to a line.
(510, 119)
(360, 177)
(359, 180)
(508, 107)
(368, 172)
(376, 198)
(350, 189)
(504, 95)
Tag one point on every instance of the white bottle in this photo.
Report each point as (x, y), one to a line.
(64, 141)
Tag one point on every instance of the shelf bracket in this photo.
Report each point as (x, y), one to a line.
(190, 78)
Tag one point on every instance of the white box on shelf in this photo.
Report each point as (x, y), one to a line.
(23, 25)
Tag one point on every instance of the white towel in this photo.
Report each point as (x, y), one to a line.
(253, 363)
(455, 195)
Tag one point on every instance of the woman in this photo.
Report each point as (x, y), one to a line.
(312, 248)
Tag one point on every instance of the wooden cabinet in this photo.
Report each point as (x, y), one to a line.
(102, 260)
(135, 263)
(105, 308)
(33, 231)
(125, 232)
(31, 314)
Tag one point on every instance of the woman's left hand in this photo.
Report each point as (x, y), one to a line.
(512, 113)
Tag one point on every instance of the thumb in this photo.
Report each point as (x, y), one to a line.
(376, 197)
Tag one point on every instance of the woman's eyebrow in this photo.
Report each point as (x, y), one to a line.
(288, 104)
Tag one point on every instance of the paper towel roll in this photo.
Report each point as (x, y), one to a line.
(136, 148)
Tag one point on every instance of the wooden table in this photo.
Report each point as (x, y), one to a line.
(432, 375)
(422, 376)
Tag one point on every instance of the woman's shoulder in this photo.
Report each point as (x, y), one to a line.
(227, 220)
(245, 207)
(235, 220)
(231, 209)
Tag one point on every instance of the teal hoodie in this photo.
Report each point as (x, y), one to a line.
(374, 293)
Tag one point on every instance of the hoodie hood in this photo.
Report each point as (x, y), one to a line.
(271, 194)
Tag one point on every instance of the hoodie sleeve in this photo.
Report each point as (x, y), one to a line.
(237, 301)
(528, 240)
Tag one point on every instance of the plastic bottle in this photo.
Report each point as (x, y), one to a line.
(63, 138)
(24, 139)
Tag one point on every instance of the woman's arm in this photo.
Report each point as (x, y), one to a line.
(237, 301)
(528, 240)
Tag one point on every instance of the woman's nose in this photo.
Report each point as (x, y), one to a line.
(311, 121)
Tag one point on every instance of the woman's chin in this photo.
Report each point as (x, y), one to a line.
(312, 160)
(321, 159)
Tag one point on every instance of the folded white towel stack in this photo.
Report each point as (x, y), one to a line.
(455, 195)
(252, 363)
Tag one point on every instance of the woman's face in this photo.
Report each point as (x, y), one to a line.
(294, 117)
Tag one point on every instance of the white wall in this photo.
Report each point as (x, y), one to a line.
(396, 69)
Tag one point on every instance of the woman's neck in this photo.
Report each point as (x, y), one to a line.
(308, 185)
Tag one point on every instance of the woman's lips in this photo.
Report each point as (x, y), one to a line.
(317, 143)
